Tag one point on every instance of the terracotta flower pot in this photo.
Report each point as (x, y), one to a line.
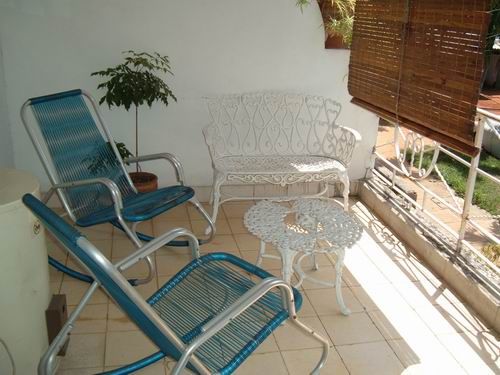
(144, 182)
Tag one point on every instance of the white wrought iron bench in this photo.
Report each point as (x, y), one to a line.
(277, 138)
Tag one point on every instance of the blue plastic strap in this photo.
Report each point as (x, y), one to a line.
(59, 95)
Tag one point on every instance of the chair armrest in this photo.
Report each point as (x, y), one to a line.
(158, 243)
(179, 171)
(238, 307)
(113, 189)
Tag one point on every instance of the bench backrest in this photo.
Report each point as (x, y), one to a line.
(270, 124)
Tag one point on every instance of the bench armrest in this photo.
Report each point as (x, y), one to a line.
(340, 144)
(179, 171)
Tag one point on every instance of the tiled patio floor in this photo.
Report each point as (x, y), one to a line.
(404, 319)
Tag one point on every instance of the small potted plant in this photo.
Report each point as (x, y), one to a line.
(133, 83)
(338, 20)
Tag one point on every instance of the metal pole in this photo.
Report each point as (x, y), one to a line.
(471, 183)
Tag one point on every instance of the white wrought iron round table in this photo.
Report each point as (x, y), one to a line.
(307, 228)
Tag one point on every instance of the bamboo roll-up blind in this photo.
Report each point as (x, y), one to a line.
(419, 63)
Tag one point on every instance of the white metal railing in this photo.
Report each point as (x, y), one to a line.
(409, 148)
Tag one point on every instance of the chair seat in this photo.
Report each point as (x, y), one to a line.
(206, 287)
(141, 206)
(282, 164)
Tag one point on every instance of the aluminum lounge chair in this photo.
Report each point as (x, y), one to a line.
(209, 317)
(85, 169)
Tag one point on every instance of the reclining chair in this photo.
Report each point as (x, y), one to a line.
(209, 317)
(85, 169)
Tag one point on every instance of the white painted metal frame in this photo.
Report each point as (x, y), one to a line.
(413, 145)
(317, 227)
(277, 138)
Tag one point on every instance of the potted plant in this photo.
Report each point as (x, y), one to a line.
(338, 20)
(133, 83)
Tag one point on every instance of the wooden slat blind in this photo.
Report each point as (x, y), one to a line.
(419, 63)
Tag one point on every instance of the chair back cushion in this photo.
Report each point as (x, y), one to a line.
(78, 150)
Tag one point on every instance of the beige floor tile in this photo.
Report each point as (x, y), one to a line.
(247, 242)
(236, 210)
(266, 363)
(378, 297)
(372, 358)
(126, 347)
(158, 368)
(423, 293)
(267, 263)
(221, 243)
(300, 362)
(93, 319)
(162, 227)
(118, 321)
(122, 247)
(362, 269)
(167, 265)
(75, 290)
(221, 226)
(81, 371)
(195, 215)
(450, 319)
(268, 346)
(56, 250)
(237, 226)
(84, 351)
(400, 322)
(174, 214)
(289, 337)
(97, 232)
(474, 358)
(416, 270)
(306, 310)
(353, 329)
(324, 301)
(425, 357)
(324, 273)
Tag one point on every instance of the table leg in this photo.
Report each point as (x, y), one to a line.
(262, 251)
(339, 265)
(287, 258)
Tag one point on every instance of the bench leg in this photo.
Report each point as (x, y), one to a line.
(215, 199)
(346, 183)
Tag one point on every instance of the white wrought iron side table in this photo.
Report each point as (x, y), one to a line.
(307, 228)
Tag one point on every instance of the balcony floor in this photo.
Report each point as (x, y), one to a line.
(404, 318)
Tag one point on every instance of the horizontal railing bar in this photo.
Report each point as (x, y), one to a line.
(466, 163)
(427, 190)
(488, 114)
(483, 231)
(442, 224)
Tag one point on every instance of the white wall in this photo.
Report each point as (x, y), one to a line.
(217, 46)
(6, 155)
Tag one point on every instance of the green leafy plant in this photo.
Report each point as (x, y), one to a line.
(341, 22)
(136, 82)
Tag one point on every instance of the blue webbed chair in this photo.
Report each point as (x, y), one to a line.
(85, 169)
(209, 317)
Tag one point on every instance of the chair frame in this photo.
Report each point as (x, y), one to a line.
(48, 363)
(58, 187)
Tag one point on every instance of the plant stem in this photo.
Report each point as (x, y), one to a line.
(136, 136)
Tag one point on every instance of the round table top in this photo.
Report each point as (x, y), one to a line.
(307, 225)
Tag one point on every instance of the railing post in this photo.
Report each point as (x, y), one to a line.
(471, 183)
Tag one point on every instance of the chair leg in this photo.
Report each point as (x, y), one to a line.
(132, 234)
(211, 224)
